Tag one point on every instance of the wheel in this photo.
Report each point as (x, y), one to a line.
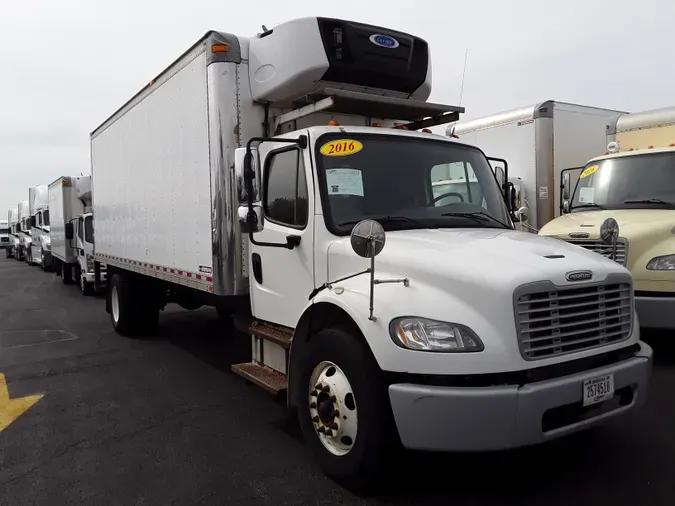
(132, 309)
(344, 413)
(7, 253)
(66, 274)
(87, 287)
(45, 266)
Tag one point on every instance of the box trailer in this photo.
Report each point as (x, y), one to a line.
(289, 178)
(538, 142)
(633, 183)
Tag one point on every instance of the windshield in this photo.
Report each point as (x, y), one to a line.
(406, 183)
(89, 229)
(4, 230)
(635, 181)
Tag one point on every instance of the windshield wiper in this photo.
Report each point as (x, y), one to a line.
(652, 201)
(479, 216)
(587, 204)
(390, 219)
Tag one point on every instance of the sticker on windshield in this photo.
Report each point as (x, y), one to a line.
(588, 171)
(344, 182)
(341, 147)
(587, 195)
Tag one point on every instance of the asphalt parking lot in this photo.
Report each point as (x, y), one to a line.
(107, 420)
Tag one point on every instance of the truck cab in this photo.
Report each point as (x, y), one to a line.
(40, 250)
(24, 230)
(13, 233)
(84, 244)
(637, 189)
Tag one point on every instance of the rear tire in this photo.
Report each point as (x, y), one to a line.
(359, 460)
(132, 308)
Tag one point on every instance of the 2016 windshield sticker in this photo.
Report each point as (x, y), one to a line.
(341, 147)
(590, 170)
(344, 182)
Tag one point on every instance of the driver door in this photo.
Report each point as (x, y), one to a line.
(281, 279)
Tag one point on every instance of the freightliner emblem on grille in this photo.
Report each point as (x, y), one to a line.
(579, 275)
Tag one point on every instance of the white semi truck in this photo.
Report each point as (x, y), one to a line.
(23, 230)
(282, 178)
(539, 141)
(40, 250)
(72, 232)
(12, 224)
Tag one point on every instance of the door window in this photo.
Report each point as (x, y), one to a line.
(285, 189)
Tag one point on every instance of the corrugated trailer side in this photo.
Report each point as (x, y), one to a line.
(151, 179)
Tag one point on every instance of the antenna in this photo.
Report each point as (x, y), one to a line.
(461, 90)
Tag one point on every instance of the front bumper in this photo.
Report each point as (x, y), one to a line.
(510, 416)
(656, 312)
(89, 276)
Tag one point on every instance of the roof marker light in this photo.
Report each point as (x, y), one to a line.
(333, 123)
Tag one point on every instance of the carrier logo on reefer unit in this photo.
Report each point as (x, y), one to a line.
(383, 40)
(579, 275)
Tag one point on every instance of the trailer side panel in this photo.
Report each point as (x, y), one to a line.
(151, 180)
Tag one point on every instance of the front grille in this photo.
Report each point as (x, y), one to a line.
(605, 250)
(570, 319)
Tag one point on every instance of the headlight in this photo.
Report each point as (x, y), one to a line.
(47, 242)
(423, 334)
(664, 263)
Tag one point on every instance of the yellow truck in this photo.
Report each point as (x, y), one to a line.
(633, 184)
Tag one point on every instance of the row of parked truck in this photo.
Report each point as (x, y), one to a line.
(290, 180)
(54, 229)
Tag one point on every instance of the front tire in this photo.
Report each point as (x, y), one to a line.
(66, 274)
(344, 410)
(7, 253)
(86, 287)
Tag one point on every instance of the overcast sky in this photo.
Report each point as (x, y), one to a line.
(66, 65)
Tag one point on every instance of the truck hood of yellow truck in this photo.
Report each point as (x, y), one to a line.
(632, 222)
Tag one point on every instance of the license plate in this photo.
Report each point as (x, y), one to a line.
(597, 390)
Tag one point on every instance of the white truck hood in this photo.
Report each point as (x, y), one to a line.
(465, 276)
(477, 256)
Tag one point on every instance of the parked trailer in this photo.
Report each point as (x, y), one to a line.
(538, 141)
(40, 251)
(634, 184)
(12, 223)
(249, 175)
(24, 230)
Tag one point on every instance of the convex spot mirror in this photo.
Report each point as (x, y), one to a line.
(609, 231)
(368, 238)
(522, 213)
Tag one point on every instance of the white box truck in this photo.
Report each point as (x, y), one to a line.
(12, 224)
(633, 184)
(538, 142)
(266, 173)
(40, 250)
(72, 232)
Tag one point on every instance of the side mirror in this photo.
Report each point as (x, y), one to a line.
(566, 206)
(70, 232)
(242, 163)
(566, 186)
(29, 223)
(523, 213)
(254, 223)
